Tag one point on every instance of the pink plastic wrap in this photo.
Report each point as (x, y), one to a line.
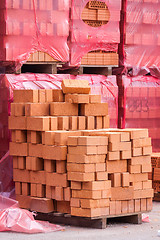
(86, 38)
(106, 86)
(142, 36)
(142, 106)
(28, 26)
(14, 219)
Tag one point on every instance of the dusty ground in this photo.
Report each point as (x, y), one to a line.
(146, 231)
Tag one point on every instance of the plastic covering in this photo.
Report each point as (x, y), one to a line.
(28, 26)
(86, 38)
(142, 106)
(14, 219)
(142, 38)
(106, 86)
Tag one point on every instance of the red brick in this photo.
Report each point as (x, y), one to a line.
(56, 179)
(93, 212)
(119, 193)
(24, 201)
(116, 166)
(18, 149)
(37, 109)
(125, 179)
(36, 137)
(105, 121)
(87, 140)
(29, 136)
(61, 137)
(19, 123)
(61, 166)
(75, 202)
(24, 96)
(147, 184)
(124, 206)
(82, 168)
(137, 185)
(38, 177)
(49, 95)
(142, 142)
(63, 109)
(141, 160)
(48, 138)
(63, 207)
(94, 109)
(115, 179)
(63, 123)
(38, 123)
(125, 154)
(25, 189)
(81, 122)
(59, 193)
(37, 164)
(118, 207)
(43, 205)
(49, 165)
(106, 193)
(112, 208)
(77, 98)
(131, 208)
(76, 185)
(100, 167)
(58, 95)
(134, 168)
(15, 162)
(67, 194)
(20, 136)
(138, 177)
(41, 95)
(83, 150)
(81, 177)
(41, 191)
(98, 122)
(86, 194)
(137, 205)
(145, 193)
(48, 192)
(100, 176)
(149, 204)
(36, 150)
(55, 152)
(21, 175)
(136, 152)
(75, 158)
(143, 205)
(75, 86)
(102, 150)
(113, 156)
(96, 185)
(73, 123)
(146, 168)
(53, 123)
(18, 188)
(17, 109)
(147, 150)
(21, 162)
(137, 133)
(94, 98)
(90, 122)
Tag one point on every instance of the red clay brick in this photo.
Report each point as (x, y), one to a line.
(86, 194)
(18, 149)
(115, 179)
(136, 152)
(125, 179)
(61, 137)
(131, 208)
(81, 122)
(48, 192)
(90, 122)
(143, 205)
(49, 95)
(38, 177)
(19, 123)
(36, 137)
(73, 123)
(96, 185)
(125, 154)
(116, 166)
(146, 168)
(18, 188)
(24, 201)
(25, 189)
(15, 162)
(74, 158)
(53, 123)
(36, 150)
(48, 138)
(94, 98)
(59, 193)
(61, 166)
(75, 86)
(38, 123)
(41, 95)
(134, 168)
(147, 150)
(21, 175)
(63, 123)
(83, 150)
(67, 194)
(105, 121)
(145, 193)
(100, 176)
(82, 168)
(112, 207)
(138, 177)
(49, 165)
(24, 96)
(106, 193)
(63, 207)
(77, 98)
(94, 109)
(21, 162)
(55, 152)
(76, 185)
(63, 109)
(137, 203)
(100, 167)
(147, 184)
(119, 193)
(43, 205)
(17, 109)
(113, 156)
(81, 177)
(37, 109)
(56, 179)
(124, 206)
(98, 122)
(149, 204)
(75, 202)
(58, 95)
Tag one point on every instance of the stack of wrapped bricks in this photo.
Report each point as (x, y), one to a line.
(31, 26)
(142, 38)
(97, 43)
(66, 159)
(155, 174)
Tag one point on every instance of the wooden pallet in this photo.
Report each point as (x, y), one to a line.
(99, 222)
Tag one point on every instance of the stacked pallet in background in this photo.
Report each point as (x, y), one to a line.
(155, 175)
(99, 20)
(66, 159)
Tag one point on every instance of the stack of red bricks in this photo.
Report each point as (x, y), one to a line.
(155, 175)
(66, 159)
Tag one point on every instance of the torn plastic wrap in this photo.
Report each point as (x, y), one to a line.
(142, 36)
(142, 106)
(14, 219)
(105, 86)
(28, 26)
(85, 38)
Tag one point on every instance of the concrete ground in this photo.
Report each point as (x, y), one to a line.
(117, 231)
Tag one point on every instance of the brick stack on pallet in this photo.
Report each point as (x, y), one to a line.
(155, 174)
(67, 160)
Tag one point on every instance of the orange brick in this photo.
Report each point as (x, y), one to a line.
(21, 162)
(125, 146)
(48, 192)
(15, 162)
(136, 152)
(90, 122)
(98, 122)
(67, 194)
(61, 137)
(100, 167)
(37, 164)
(63, 207)
(94, 109)
(63, 123)
(146, 168)
(59, 193)
(19, 123)
(106, 193)
(77, 98)
(37, 109)
(138, 177)
(72, 141)
(143, 205)
(86, 194)
(55, 152)
(36, 150)
(58, 95)
(131, 208)
(118, 207)
(142, 142)
(25, 189)
(92, 140)
(81, 123)
(75, 202)
(61, 166)
(41, 95)
(20, 136)
(48, 138)
(81, 177)
(125, 179)
(115, 179)
(96, 185)
(100, 176)
(49, 165)
(149, 204)
(18, 188)
(17, 109)
(124, 206)
(125, 155)
(43, 205)
(76, 185)
(21, 175)
(116, 166)
(18, 149)
(63, 109)
(141, 160)
(105, 121)
(75, 86)
(41, 191)
(137, 133)
(38, 123)
(49, 95)
(73, 123)
(137, 185)
(147, 150)
(83, 168)
(53, 123)
(145, 193)
(38, 177)
(134, 168)
(137, 203)
(94, 98)
(29, 136)
(56, 179)
(24, 96)
(114, 156)
(28, 163)
(83, 150)
(74, 158)
(147, 184)
(24, 201)
(102, 150)
(36, 137)
(119, 193)
(33, 190)
(93, 212)
(112, 207)
(53, 192)
(114, 146)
